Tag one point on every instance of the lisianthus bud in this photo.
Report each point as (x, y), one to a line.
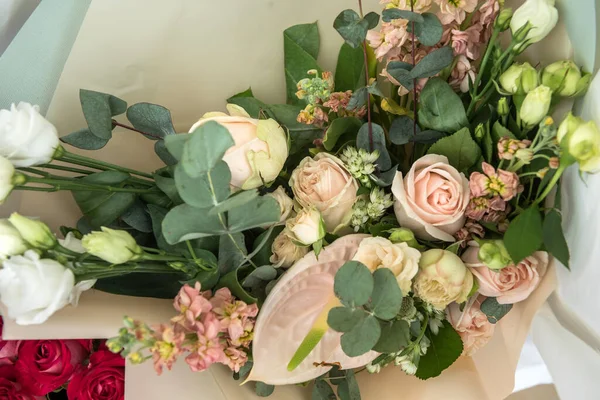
(36, 233)
(541, 15)
(11, 241)
(7, 178)
(503, 19)
(583, 144)
(519, 78)
(569, 124)
(480, 132)
(525, 155)
(536, 105)
(116, 247)
(494, 255)
(583, 84)
(502, 107)
(307, 227)
(562, 77)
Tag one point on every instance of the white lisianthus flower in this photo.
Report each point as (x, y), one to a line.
(541, 14)
(26, 137)
(32, 289)
(116, 247)
(35, 232)
(536, 105)
(7, 173)
(307, 227)
(11, 241)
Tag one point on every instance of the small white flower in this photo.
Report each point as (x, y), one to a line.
(435, 325)
(35, 232)
(116, 247)
(373, 369)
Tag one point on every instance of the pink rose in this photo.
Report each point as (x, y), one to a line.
(471, 324)
(431, 200)
(511, 284)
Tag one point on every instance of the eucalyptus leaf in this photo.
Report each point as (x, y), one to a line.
(395, 335)
(185, 222)
(206, 190)
(402, 130)
(265, 241)
(348, 388)
(494, 310)
(373, 19)
(167, 185)
(433, 63)
(137, 217)
(378, 142)
(232, 250)
(175, 144)
(353, 284)
(358, 99)
(524, 234)
(301, 48)
(322, 391)
(152, 119)
(401, 72)
(385, 178)
(260, 211)
(391, 14)
(205, 148)
(441, 108)
(362, 338)
(264, 390)
(350, 70)
(428, 137)
(84, 139)
(460, 149)
(430, 31)
(344, 319)
(98, 110)
(264, 273)
(248, 102)
(351, 27)
(160, 148)
(386, 299)
(237, 200)
(554, 238)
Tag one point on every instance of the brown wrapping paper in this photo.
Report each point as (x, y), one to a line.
(189, 56)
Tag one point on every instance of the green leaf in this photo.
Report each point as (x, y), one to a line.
(175, 144)
(402, 130)
(433, 63)
(207, 279)
(301, 48)
(205, 148)
(373, 19)
(524, 234)
(338, 128)
(322, 391)
(185, 222)
(384, 161)
(430, 31)
(441, 108)
(428, 137)
(350, 70)
(494, 310)
(401, 72)
(160, 148)
(161, 286)
(301, 135)
(462, 151)
(264, 390)
(137, 217)
(348, 388)
(554, 238)
(264, 273)
(395, 335)
(231, 281)
(351, 27)
(152, 119)
(385, 178)
(445, 348)
(362, 337)
(260, 211)
(386, 299)
(353, 284)
(344, 319)
(262, 257)
(232, 251)
(395, 13)
(84, 139)
(102, 208)
(487, 144)
(499, 131)
(167, 185)
(248, 102)
(98, 110)
(237, 200)
(206, 190)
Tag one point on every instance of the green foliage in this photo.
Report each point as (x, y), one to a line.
(205, 148)
(161, 286)
(494, 310)
(353, 284)
(462, 151)
(348, 388)
(262, 274)
(353, 28)
(168, 187)
(264, 390)
(237, 200)
(441, 109)
(395, 13)
(248, 102)
(231, 281)
(499, 131)
(208, 189)
(344, 319)
(152, 119)
(430, 31)
(84, 139)
(262, 256)
(385, 178)
(433, 63)
(402, 130)
(258, 212)
(350, 70)
(386, 299)
(445, 348)
(384, 161)
(338, 128)
(232, 251)
(160, 148)
(322, 391)
(524, 234)
(175, 144)
(98, 110)
(554, 238)
(301, 48)
(362, 338)
(401, 72)
(395, 335)
(137, 217)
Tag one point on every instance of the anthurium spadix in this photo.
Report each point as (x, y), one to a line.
(294, 318)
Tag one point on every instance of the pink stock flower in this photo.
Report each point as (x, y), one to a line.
(167, 347)
(461, 74)
(478, 207)
(235, 358)
(487, 12)
(507, 147)
(470, 230)
(419, 6)
(235, 317)
(338, 100)
(389, 40)
(207, 348)
(467, 42)
(455, 10)
(191, 304)
(495, 183)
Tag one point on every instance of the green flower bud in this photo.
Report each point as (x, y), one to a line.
(535, 106)
(116, 247)
(582, 142)
(503, 19)
(503, 108)
(404, 235)
(519, 78)
(569, 124)
(562, 77)
(494, 255)
(36, 233)
(583, 84)
(480, 132)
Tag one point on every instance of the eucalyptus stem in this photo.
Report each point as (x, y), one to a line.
(414, 61)
(93, 163)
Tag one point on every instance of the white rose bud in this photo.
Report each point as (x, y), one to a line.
(32, 289)
(285, 252)
(116, 247)
(307, 227)
(26, 138)
(286, 204)
(35, 232)
(542, 16)
(11, 241)
(535, 106)
(7, 178)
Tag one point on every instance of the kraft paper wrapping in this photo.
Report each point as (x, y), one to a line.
(189, 56)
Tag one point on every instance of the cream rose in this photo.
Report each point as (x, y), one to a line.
(325, 183)
(286, 204)
(402, 260)
(510, 284)
(307, 227)
(471, 324)
(442, 279)
(284, 252)
(431, 199)
(260, 148)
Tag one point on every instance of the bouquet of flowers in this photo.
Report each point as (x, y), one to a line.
(390, 213)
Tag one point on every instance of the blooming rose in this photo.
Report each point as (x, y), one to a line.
(402, 260)
(32, 289)
(286, 204)
(325, 183)
(103, 379)
(307, 227)
(511, 284)
(442, 279)
(471, 324)
(10, 389)
(7, 181)
(46, 365)
(285, 252)
(260, 148)
(26, 138)
(11, 241)
(431, 199)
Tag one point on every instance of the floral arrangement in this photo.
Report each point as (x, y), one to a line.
(390, 213)
(60, 369)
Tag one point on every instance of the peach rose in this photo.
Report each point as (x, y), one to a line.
(511, 284)
(431, 200)
(325, 184)
(471, 324)
(260, 148)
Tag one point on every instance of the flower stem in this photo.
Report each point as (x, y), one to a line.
(131, 128)
(64, 183)
(97, 164)
(68, 169)
(551, 184)
(87, 272)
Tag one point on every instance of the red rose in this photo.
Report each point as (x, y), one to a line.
(9, 388)
(45, 365)
(8, 351)
(103, 379)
